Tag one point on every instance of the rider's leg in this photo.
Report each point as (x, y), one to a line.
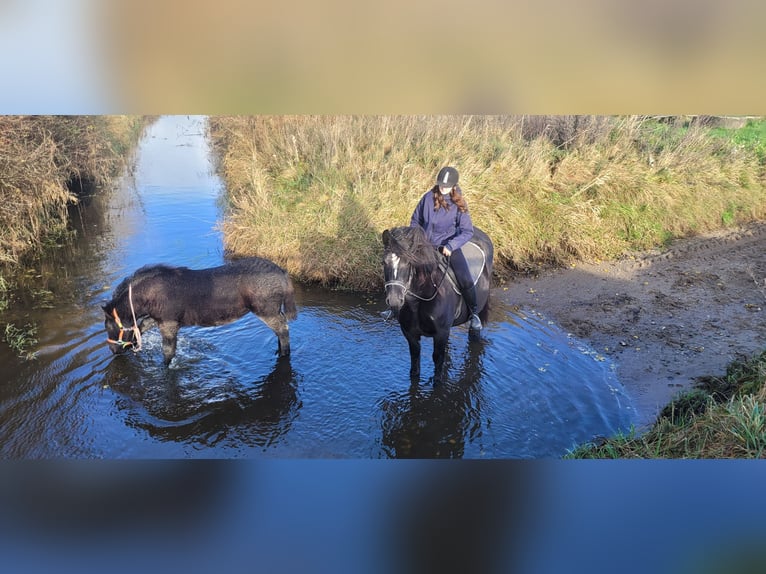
(467, 287)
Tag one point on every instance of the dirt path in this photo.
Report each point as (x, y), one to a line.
(664, 318)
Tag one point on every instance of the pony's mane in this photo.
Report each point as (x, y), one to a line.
(145, 272)
(413, 247)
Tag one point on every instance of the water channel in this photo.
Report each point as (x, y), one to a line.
(527, 390)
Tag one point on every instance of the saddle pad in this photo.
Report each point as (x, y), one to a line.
(475, 258)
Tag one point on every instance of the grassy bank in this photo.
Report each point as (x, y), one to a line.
(315, 193)
(724, 418)
(45, 162)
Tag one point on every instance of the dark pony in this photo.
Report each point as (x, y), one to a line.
(174, 297)
(422, 295)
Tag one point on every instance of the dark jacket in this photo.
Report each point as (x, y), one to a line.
(443, 227)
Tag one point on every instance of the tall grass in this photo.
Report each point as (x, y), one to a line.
(45, 162)
(314, 193)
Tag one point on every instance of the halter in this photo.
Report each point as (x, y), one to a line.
(134, 328)
(407, 289)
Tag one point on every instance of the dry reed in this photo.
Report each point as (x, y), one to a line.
(45, 161)
(315, 192)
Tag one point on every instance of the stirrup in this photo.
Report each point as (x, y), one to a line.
(475, 323)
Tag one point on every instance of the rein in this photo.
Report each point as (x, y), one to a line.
(136, 331)
(408, 290)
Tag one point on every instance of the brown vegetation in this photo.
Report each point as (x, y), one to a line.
(315, 192)
(45, 163)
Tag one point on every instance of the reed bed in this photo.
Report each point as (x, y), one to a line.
(314, 193)
(46, 163)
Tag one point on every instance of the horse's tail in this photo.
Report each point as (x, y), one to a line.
(289, 309)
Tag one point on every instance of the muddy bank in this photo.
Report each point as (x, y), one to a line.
(664, 317)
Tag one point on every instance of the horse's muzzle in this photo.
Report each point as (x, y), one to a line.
(395, 302)
(117, 349)
(119, 346)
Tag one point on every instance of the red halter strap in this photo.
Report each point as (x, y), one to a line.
(119, 340)
(136, 343)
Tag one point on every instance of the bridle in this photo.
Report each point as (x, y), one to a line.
(407, 290)
(135, 344)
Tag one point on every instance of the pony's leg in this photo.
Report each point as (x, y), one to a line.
(169, 331)
(278, 324)
(440, 354)
(414, 343)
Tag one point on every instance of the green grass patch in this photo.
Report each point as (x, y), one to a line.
(21, 339)
(725, 417)
(751, 137)
(728, 217)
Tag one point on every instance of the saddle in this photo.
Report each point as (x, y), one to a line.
(476, 259)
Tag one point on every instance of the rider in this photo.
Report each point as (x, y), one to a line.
(443, 214)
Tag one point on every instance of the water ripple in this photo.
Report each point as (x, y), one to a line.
(527, 390)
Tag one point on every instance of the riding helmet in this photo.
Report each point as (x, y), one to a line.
(447, 177)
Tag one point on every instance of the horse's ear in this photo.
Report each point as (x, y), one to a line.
(386, 237)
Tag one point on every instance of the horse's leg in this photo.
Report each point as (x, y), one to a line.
(169, 331)
(440, 353)
(413, 341)
(278, 324)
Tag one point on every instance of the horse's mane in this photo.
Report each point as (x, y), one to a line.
(413, 247)
(145, 272)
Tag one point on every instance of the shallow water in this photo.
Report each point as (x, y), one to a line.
(527, 390)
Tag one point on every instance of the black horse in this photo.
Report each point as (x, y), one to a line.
(174, 297)
(422, 293)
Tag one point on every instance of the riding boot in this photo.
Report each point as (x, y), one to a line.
(469, 294)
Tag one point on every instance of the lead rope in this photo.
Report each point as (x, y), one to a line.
(136, 329)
